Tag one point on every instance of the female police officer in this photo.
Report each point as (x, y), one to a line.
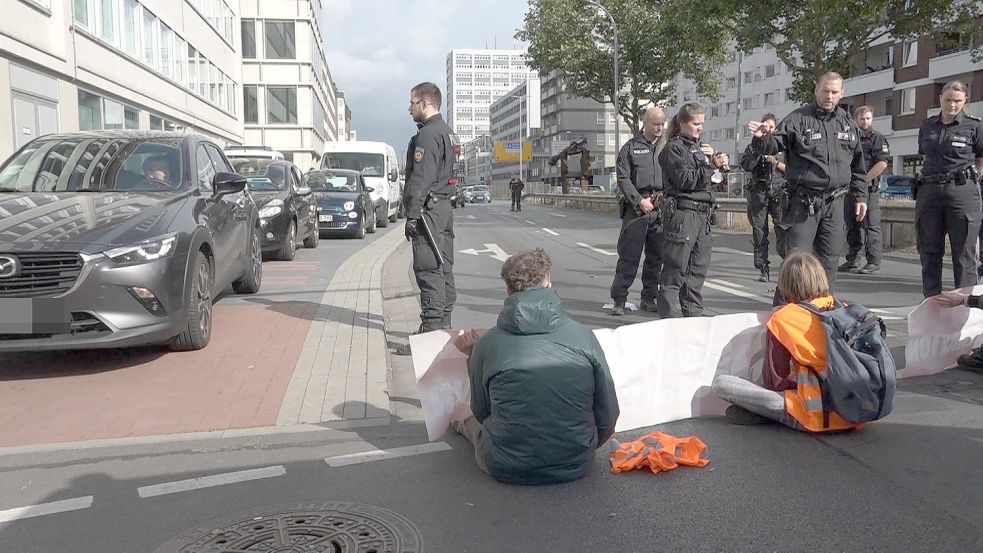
(687, 167)
(948, 196)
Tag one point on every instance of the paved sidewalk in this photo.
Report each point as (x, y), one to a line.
(401, 305)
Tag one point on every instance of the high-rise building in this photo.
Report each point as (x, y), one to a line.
(475, 79)
(514, 119)
(68, 65)
(289, 97)
(344, 118)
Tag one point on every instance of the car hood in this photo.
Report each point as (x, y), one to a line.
(331, 198)
(84, 222)
(262, 197)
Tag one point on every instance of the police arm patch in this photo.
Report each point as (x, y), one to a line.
(418, 154)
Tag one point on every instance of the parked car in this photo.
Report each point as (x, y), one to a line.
(480, 194)
(121, 238)
(287, 211)
(253, 152)
(897, 186)
(344, 202)
(377, 162)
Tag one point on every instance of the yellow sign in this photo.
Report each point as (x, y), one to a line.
(509, 151)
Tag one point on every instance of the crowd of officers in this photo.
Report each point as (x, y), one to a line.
(816, 175)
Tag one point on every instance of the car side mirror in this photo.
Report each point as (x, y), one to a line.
(304, 191)
(228, 183)
(393, 175)
(369, 189)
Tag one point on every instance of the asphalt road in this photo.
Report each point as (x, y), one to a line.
(909, 483)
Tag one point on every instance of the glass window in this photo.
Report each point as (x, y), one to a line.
(90, 111)
(908, 101)
(206, 170)
(213, 82)
(250, 103)
(280, 40)
(166, 50)
(370, 165)
(131, 27)
(107, 21)
(131, 118)
(150, 39)
(249, 38)
(82, 12)
(192, 69)
(910, 54)
(219, 162)
(113, 114)
(180, 47)
(281, 105)
(204, 76)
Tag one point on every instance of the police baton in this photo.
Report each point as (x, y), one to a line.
(428, 236)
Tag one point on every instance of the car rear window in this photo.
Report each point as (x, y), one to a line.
(370, 165)
(325, 181)
(261, 174)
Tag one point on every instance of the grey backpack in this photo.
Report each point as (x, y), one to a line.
(860, 371)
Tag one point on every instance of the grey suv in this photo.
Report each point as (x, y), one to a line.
(121, 238)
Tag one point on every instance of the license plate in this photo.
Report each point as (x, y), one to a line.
(326, 218)
(33, 316)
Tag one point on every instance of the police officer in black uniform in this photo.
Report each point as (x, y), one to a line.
(947, 197)
(867, 233)
(687, 211)
(640, 183)
(823, 162)
(766, 196)
(515, 187)
(426, 197)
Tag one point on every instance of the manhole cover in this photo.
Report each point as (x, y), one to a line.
(303, 528)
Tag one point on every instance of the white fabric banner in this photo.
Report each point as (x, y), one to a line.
(938, 335)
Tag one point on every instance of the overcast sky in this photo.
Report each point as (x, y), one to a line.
(378, 49)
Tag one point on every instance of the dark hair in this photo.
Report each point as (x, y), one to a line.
(428, 91)
(687, 113)
(862, 110)
(770, 117)
(527, 269)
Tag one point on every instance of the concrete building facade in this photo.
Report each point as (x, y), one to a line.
(515, 117)
(475, 79)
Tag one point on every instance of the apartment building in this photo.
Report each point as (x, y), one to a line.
(289, 99)
(475, 79)
(68, 65)
(344, 118)
(515, 118)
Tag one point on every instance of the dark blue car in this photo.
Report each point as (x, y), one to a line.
(343, 202)
(897, 186)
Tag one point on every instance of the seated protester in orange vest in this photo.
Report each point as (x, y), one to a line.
(955, 298)
(541, 392)
(796, 346)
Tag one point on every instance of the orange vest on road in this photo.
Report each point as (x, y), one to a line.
(803, 336)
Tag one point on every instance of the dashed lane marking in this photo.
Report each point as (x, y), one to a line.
(210, 481)
(735, 292)
(530, 222)
(548, 231)
(593, 249)
(42, 509)
(725, 283)
(732, 251)
(384, 454)
(556, 215)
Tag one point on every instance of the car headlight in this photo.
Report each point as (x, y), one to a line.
(271, 209)
(353, 215)
(151, 250)
(349, 206)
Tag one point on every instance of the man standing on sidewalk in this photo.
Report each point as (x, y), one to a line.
(867, 233)
(640, 181)
(429, 217)
(515, 186)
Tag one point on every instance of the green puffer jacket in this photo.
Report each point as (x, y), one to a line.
(541, 388)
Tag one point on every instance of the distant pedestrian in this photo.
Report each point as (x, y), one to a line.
(515, 187)
(866, 234)
(766, 196)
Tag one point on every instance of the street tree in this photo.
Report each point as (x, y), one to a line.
(815, 36)
(657, 41)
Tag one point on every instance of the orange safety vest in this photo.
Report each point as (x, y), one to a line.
(658, 452)
(803, 336)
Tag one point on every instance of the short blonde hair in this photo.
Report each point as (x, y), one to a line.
(862, 110)
(955, 86)
(802, 277)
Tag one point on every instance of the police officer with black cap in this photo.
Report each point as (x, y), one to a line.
(866, 234)
(640, 182)
(688, 169)
(947, 197)
(823, 163)
(766, 196)
(429, 216)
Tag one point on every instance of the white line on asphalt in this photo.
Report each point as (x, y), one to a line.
(383, 454)
(556, 214)
(732, 250)
(725, 283)
(593, 249)
(548, 231)
(530, 222)
(738, 293)
(41, 509)
(210, 481)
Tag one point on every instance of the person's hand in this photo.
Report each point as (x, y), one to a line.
(952, 298)
(771, 159)
(860, 211)
(707, 150)
(657, 200)
(465, 340)
(757, 128)
(720, 159)
(646, 205)
(410, 229)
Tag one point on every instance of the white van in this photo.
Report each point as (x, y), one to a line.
(377, 162)
(252, 152)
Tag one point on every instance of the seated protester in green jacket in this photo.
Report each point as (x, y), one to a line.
(955, 298)
(541, 392)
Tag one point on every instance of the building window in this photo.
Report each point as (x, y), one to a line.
(910, 54)
(769, 98)
(730, 134)
(600, 139)
(249, 38)
(770, 71)
(166, 51)
(150, 39)
(280, 42)
(600, 118)
(90, 111)
(611, 139)
(82, 12)
(908, 101)
(161, 124)
(113, 113)
(107, 21)
(131, 27)
(281, 105)
(731, 82)
(131, 118)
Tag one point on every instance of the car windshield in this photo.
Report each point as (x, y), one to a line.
(261, 174)
(325, 181)
(480, 189)
(95, 164)
(370, 165)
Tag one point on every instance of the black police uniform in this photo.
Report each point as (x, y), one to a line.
(515, 187)
(948, 199)
(639, 176)
(823, 162)
(766, 196)
(686, 213)
(428, 188)
(867, 233)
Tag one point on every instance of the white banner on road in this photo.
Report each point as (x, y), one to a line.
(937, 336)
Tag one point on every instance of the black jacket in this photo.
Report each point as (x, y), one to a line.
(876, 149)
(754, 162)
(822, 151)
(686, 172)
(952, 147)
(638, 168)
(430, 166)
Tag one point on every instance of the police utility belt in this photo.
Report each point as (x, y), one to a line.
(969, 175)
(815, 199)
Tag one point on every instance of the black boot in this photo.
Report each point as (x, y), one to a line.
(619, 309)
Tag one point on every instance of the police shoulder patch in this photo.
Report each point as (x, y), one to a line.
(418, 154)
(886, 149)
(973, 117)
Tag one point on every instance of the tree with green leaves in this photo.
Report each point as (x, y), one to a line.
(657, 41)
(815, 36)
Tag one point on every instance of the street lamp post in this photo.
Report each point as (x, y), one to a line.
(614, 98)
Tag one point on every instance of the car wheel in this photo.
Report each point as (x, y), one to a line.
(382, 216)
(314, 238)
(253, 279)
(375, 221)
(198, 306)
(288, 251)
(360, 233)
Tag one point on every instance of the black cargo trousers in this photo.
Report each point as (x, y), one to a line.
(686, 250)
(437, 291)
(865, 235)
(764, 200)
(941, 209)
(639, 233)
(815, 224)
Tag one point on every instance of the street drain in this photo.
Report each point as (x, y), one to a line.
(332, 527)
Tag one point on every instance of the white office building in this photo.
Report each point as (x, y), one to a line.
(344, 113)
(68, 65)
(289, 98)
(475, 79)
(514, 119)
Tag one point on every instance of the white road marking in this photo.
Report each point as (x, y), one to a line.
(210, 481)
(494, 249)
(725, 283)
(732, 251)
(556, 214)
(530, 222)
(593, 249)
(548, 231)
(42, 509)
(471, 217)
(738, 293)
(383, 454)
